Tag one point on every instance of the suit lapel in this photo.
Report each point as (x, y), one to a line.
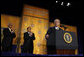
(8, 30)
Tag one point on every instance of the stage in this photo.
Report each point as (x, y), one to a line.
(13, 53)
(25, 54)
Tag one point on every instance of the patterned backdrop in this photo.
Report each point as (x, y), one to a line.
(38, 19)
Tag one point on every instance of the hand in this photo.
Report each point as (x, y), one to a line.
(47, 36)
(31, 34)
(1, 48)
(12, 30)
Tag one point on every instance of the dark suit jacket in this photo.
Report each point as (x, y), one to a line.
(28, 41)
(51, 41)
(8, 38)
(52, 30)
(52, 35)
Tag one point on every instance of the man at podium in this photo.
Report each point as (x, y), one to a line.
(59, 40)
(51, 29)
(51, 34)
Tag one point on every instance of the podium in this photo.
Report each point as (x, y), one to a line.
(62, 42)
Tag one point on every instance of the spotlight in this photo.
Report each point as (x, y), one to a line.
(56, 1)
(68, 4)
(62, 3)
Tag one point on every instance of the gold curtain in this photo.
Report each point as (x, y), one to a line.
(38, 19)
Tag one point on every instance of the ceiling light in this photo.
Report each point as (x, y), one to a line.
(68, 4)
(62, 3)
(56, 1)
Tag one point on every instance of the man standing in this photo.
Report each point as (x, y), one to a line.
(9, 34)
(28, 41)
(51, 37)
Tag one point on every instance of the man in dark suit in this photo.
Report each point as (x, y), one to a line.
(28, 41)
(9, 34)
(51, 37)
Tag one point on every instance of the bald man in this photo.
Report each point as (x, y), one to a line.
(9, 34)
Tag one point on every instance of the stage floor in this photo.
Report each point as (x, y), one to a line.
(25, 54)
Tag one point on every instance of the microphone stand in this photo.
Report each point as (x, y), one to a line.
(63, 27)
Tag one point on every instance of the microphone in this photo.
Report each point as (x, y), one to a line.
(63, 26)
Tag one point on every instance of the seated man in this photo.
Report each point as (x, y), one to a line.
(28, 41)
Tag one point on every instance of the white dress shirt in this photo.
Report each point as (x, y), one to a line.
(11, 30)
(29, 34)
(57, 28)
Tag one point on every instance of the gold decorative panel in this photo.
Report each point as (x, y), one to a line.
(39, 28)
(38, 19)
(35, 11)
